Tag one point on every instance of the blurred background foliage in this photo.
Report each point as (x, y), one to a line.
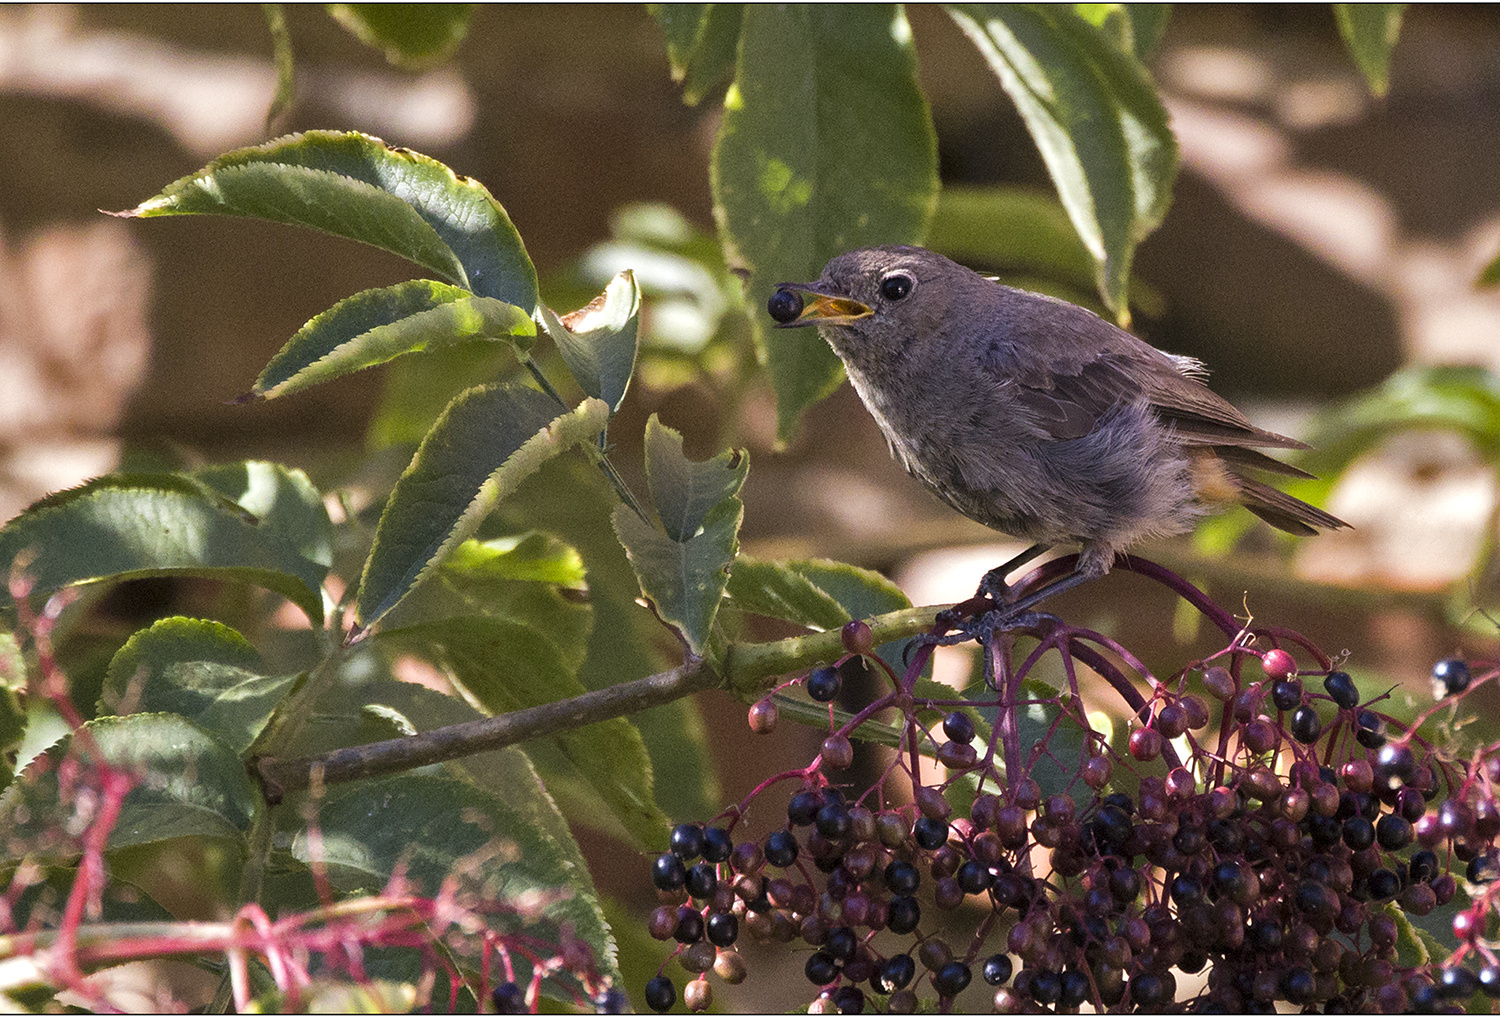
(1322, 253)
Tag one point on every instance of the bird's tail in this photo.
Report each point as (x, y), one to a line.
(1281, 510)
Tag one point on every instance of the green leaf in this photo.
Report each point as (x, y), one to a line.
(418, 389)
(376, 326)
(1025, 235)
(1465, 399)
(776, 590)
(412, 35)
(534, 579)
(701, 44)
(1370, 32)
(1064, 742)
(1148, 23)
(683, 491)
(507, 666)
(1095, 116)
(286, 81)
(860, 592)
(683, 580)
(356, 186)
(128, 526)
(534, 557)
(1135, 28)
(281, 499)
(488, 440)
(436, 827)
(826, 145)
(1491, 274)
(598, 342)
(572, 499)
(204, 671)
(817, 593)
(188, 784)
(683, 570)
(1014, 228)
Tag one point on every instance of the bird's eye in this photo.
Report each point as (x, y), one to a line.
(896, 286)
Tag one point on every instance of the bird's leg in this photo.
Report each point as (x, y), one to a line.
(994, 585)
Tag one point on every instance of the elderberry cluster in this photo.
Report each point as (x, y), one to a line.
(1253, 843)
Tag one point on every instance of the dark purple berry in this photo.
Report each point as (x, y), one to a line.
(1046, 987)
(1075, 988)
(951, 979)
(823, 684)
(1489, 980)
(1457, 983)
(511, 999)
(1297, 985)
(1186, 889)
(841, 943)
(1369, 729)
(660, 994)
(898, 970)
(833, 821)
(1423, 866)
(903, 914)
(973, 877)
(902, 877)
(997, 969)
(718, 846)
(821, 968)
(1265, 936)
(958, 727)
(1287, 694)
(781, 848)
(784, 306)
(703, 880)
(612, 1001)
(1449, 677)
(1393, 832)
(930, 833)
(667, 873)
(1483, 869)
(1359, 833)
(849, 999)
(803, 808)
(689, 926)
(1384, 884)
(723, 929)
(1341, 687)
(1306, 726)
(1125, 885)
(687, 841)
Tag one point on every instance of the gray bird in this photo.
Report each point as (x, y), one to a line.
(1034, 416)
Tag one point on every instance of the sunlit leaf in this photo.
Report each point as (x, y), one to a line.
(1095, 116)
(202, 670)
(129, 526)
(1370, 32)
(598, 342)
(463, 831)
(507, 666)
(826, 145)
(488, 440)
(356, 186)
(701, 43)
(411, 35)
(186, 783)
(376, 326)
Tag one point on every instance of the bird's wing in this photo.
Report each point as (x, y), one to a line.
(1078, 367)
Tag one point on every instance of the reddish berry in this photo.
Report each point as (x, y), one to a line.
(1278, 664)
